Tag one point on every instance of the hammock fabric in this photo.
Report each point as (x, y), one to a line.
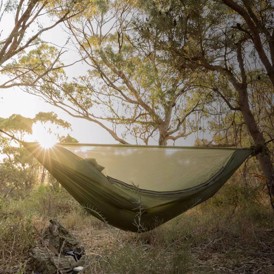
(137, 188)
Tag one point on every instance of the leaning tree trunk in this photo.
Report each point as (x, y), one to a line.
(264, 157)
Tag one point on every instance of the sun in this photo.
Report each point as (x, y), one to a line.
(47, 142)
(42, 134)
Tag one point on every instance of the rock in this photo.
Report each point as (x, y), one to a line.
(58, 252)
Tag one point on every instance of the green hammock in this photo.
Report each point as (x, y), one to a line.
(138, 188)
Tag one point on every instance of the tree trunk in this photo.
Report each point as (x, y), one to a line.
(163, 134)
(43, 176)
(162, 140)
(258, 138)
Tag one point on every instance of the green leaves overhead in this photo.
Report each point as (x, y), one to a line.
(52, 117)
(68, 140)
(35, 64)
(150, 66)
(17, 123)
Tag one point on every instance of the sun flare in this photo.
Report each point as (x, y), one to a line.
(47, 143)
(43, 136)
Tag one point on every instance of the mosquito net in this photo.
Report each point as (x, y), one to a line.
(138, 188)
(157, 168)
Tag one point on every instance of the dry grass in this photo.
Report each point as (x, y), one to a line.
(185, 245)
(231, 233)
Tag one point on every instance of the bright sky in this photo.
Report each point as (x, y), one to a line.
(14, 101)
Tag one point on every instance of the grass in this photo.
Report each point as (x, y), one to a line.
(230, 233)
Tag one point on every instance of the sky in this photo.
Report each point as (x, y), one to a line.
(15, 101)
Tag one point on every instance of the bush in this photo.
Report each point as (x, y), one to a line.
(17, 236)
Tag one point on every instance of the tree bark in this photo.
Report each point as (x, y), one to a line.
(264, 157)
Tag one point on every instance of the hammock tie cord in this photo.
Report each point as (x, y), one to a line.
(139, 188)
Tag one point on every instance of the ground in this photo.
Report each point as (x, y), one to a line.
(233, 232)
(169, 250)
